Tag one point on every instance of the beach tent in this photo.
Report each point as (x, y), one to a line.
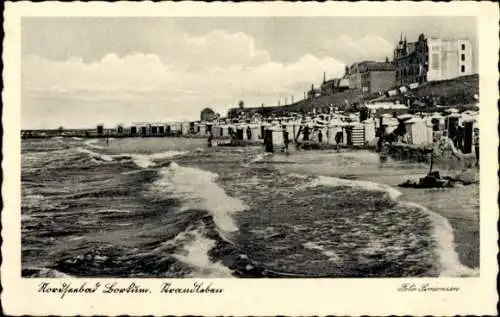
(240, 132)
(333, 129)
(222, 131)
(185, 128)
(263, 127)
(254, 132)
(174, 127)
(468, 118)
(369, 130)
(417, 131)
(273, 139)
(355, 133)
(202, 130)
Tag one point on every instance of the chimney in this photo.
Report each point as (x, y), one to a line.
(324, 77)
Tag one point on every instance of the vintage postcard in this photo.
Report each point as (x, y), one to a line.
(274, 158)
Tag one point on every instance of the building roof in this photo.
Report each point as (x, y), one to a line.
(369, 66)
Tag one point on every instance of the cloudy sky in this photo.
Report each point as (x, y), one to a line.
(77, 72)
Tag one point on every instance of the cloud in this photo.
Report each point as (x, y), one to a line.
(369, 47)
(216, 69)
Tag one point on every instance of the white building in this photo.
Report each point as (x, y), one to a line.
(449, 58)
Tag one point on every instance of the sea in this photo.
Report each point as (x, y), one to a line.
(172, 207)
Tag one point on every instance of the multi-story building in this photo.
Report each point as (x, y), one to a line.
(411, 61)
(431, 59)
(371, 77)
(332, 86)
(449, 58)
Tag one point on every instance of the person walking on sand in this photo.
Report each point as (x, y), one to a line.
(210, 137)
(476, 145)
(286, 141)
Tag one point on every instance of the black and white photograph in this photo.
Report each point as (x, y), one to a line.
(250, 147)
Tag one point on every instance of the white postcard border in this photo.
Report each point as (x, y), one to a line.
(380, 296)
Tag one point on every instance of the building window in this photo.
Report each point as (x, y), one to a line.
(463, 47)
(462, 57)
(462, 68)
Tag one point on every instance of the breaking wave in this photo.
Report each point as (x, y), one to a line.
(449, 263)
(367, 185)
(92, 144)
(141, 160)
(95, 155)
(195, 250)
(198, 190)
(146, 161)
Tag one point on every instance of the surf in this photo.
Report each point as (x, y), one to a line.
(195, 253)
(449, 264)
(197, 189)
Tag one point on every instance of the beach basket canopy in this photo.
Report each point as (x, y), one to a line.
(405, 116)
(413, 120)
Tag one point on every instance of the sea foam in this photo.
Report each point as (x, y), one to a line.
(332, 256)
(449, 263)
(95, 155)
(335, 182)
(146, 161)
(195, 254)
(141, 160)
(92, 144)
(198, 189)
